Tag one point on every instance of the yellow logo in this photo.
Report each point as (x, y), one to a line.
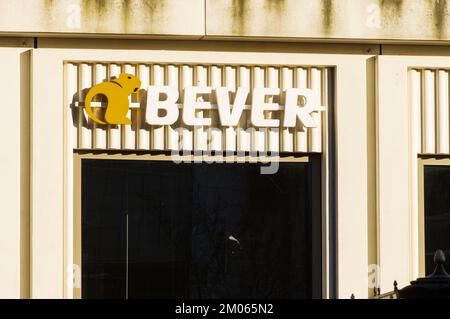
(116, 93)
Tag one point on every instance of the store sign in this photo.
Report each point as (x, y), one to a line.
(116, 93)
(300, 103)
(163, 108)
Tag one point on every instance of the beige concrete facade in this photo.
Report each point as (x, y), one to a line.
(131, 18)
(345, 20)
(378, 131)
(281, 20)
(15, 215)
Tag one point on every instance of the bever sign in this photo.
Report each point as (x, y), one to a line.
(230, 113)
(299, 103)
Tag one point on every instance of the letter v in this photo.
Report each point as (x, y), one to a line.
(230, 116)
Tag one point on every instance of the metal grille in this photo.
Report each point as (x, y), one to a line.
(86, 134)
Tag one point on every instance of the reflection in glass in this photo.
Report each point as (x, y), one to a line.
(437, 212)
(153, 229)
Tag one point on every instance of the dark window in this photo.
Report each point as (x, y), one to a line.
(154, 229)
(437, 212)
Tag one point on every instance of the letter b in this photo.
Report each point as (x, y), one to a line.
(154, 104)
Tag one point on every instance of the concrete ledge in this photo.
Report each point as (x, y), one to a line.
(369, 21)
(103, 17)
(384, 20)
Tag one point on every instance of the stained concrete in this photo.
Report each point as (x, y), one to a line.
(285, 20)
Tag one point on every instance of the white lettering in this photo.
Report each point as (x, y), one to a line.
(154, 105)
(373, 20)
(230, 116)
(293, 110)
(73, 20)
(192, 103)
(259, 106)
(300, 103)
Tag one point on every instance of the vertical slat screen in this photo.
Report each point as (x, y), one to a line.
(429, 104)
(129, 131)
(71, 95)
(287, 134)
(172, 130)
(230, 133)
(143, 127)
(200, 132)
(301, 133)
(316, 132)
(215, 133)
(442, 113)
(428, 112)
(157, 132)
(114, 139)
(187, 79)
(100, 130)
(258, 134)
(273, 134)
(86, 134)
(244, 136)
(84, 124)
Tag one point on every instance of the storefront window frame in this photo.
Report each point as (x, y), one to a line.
(318, 222)
(344, 169)
(423, 161)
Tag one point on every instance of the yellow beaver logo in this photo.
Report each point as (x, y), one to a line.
(116, 93)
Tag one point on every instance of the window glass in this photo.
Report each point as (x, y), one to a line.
(154, 229)
(437, 212)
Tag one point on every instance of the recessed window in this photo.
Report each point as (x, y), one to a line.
(437, 212)
(154, 229)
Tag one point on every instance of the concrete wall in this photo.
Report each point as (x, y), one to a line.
(341, 20)
(37, 174)
(14, 172)
(104, 17)
(417, 20)
(391, 226)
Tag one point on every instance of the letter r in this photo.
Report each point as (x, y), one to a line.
(293, 110)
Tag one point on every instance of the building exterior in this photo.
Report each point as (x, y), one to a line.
(362, 175)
